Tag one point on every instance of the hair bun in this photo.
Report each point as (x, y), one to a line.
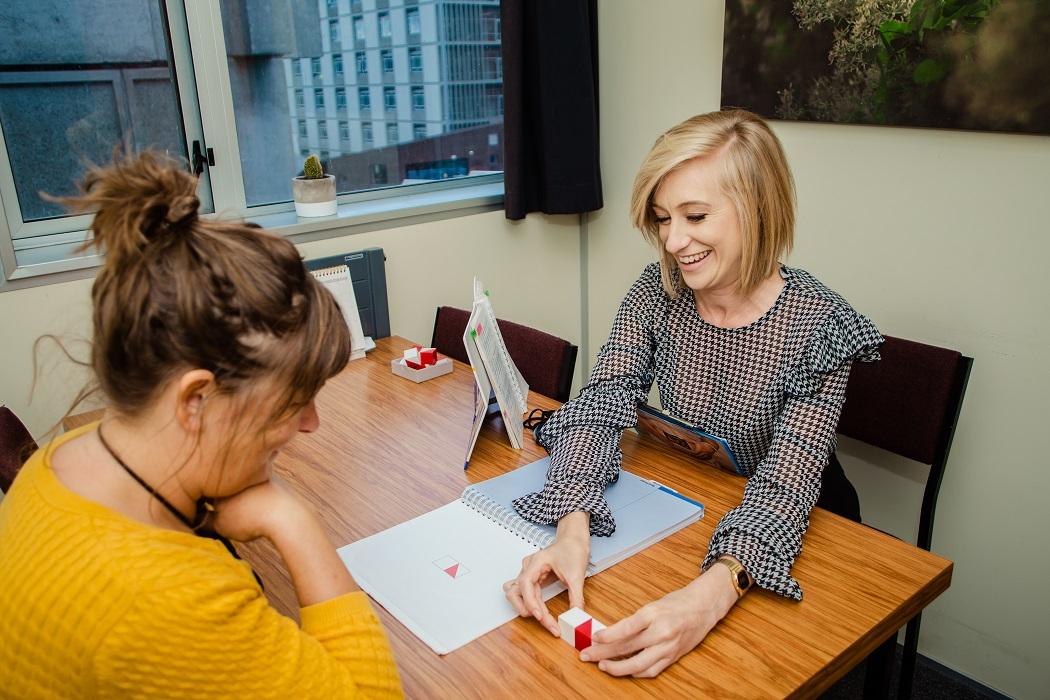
(182, 211)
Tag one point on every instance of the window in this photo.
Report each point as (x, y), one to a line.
(68, 94)
(322, 130)
(366, 132)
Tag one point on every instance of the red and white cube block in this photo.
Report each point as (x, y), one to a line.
(420, 364)
(578, 628)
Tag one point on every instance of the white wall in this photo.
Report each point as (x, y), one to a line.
(427, 265)
(936, 235)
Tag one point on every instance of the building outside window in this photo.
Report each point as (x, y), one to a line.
(344, 131)
(92, 90)
(322, 130)
(366, 132)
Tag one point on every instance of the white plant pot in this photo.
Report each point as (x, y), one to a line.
(314, 197)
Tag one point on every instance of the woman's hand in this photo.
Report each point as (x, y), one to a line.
(272, 510)
(262, 510)
(661, 632)
(565, 560)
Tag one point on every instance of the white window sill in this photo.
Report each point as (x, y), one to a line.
(48, 262)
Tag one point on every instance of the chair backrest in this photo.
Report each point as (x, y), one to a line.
(908, 403)
(16, 444)
(546, 361)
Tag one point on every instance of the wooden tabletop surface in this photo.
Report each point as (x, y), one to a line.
(389, 450)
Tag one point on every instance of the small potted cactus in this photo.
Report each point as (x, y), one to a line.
(313, 191)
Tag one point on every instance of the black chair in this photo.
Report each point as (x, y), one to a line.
(546, 361)
(908, 403)
(16, 445)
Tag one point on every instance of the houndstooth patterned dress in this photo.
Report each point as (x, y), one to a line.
(772, 389)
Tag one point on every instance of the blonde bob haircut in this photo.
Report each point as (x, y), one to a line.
(754, 175)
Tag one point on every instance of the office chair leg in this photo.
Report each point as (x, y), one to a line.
(908, 659)
(879, 670)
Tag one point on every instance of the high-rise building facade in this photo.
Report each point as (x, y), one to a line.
(392, 72)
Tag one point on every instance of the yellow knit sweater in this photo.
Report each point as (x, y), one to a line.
(94, 604)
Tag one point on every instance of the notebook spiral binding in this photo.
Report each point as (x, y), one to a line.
(508, 519)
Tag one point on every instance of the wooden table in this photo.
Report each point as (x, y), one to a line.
(389, 450)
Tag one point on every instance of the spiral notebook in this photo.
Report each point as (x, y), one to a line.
(337, 280)
(441, 574)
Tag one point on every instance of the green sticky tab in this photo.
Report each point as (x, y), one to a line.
(473, 333)
(487, 293)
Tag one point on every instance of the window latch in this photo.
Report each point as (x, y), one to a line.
(198, 159)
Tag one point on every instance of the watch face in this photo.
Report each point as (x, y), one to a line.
(742, 580)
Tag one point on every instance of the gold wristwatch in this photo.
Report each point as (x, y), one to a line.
(741, 580)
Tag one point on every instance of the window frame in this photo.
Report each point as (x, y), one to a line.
(205, 98)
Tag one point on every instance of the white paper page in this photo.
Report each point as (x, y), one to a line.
(404, 570)
(510, 386)
(482, 387)
(337, 280)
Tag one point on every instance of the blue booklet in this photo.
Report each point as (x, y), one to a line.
(645, 511)
(708, 448)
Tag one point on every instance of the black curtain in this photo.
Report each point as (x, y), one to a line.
(550, 106)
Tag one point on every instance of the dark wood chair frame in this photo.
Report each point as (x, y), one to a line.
(880, 663)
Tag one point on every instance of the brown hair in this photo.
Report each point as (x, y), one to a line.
(754, 176)
(177, 292)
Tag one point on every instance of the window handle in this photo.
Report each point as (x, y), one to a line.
(198, 159)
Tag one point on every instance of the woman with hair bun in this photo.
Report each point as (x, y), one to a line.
(740, 345)
(117, 578)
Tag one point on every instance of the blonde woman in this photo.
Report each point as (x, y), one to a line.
(738, 344)
(117, 578)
